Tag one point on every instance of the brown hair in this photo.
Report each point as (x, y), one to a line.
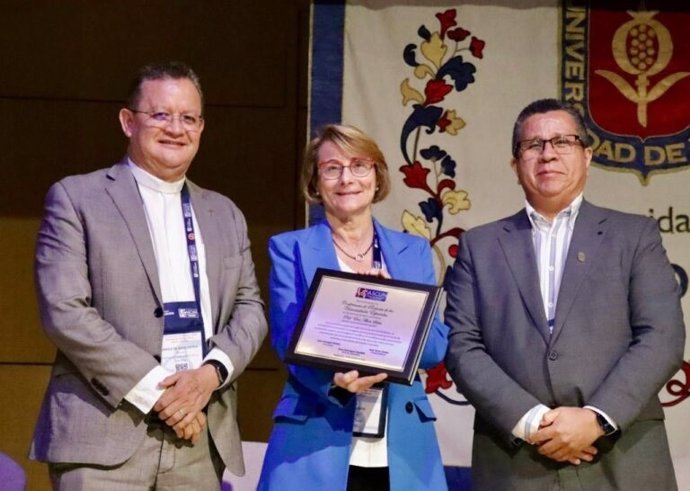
(351, 141)
(175, 70)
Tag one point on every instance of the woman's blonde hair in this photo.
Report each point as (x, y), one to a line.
(351, 141)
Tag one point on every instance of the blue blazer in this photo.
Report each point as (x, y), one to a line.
(309, 447)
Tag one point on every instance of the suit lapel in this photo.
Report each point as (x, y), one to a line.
(518, 248)
(317, 251)
(209, 231)
(124, 193)
(588, 234)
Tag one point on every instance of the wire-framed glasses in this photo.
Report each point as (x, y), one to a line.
(162, 119)
(561, 144)
(333, 169)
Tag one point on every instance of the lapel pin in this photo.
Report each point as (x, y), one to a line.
(581, 257)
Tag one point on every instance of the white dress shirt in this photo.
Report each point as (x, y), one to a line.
(163, 209)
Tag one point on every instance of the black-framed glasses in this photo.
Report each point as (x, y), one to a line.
(561, 144)
(162, 119)
(333, 169)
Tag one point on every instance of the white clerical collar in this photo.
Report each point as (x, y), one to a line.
(152, 182)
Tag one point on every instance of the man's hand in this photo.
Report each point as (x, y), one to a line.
(187, 393)
(352, 382)
(192, 431)
(567, 434)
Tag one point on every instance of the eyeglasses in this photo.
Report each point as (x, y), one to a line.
(561, 144)
(161, 119)
(332, 169)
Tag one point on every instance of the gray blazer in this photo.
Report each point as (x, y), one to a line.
(100, 303)
(618, 337)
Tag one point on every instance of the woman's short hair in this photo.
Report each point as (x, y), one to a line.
(351, 141)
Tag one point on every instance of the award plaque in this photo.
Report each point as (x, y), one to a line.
(366, 323)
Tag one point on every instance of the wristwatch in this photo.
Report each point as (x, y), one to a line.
(221, 371)
(605, 425)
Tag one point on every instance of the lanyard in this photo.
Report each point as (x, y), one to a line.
(191, 245)
(184, 345)
(377, 262)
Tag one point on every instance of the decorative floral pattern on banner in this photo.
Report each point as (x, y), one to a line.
(444, 70)
(429, 167)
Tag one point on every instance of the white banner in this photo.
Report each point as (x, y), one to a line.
(439, 87)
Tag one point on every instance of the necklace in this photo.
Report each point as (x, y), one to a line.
(359, 257)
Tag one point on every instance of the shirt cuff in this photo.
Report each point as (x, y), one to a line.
(221, 357)
(606, 416)
(529, 423)
(145, 394)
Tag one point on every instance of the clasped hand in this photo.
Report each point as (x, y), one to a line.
(567, 434)
(186, 395)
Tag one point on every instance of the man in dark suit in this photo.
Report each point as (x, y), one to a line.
(146, 286)
(565, 322)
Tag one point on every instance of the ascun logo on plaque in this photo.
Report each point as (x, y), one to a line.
(629, 73)
(371, 294)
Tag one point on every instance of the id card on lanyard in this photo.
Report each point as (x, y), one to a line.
(370, 412)
(184, 346)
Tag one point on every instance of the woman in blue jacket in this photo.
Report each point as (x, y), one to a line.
(312, 445)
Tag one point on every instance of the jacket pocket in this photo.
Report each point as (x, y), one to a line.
(424, 409)
(287, 409)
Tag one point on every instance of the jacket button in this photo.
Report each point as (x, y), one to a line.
(553, 355)
(409, 407)
(158, 312)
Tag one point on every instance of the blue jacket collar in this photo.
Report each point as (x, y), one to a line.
(317, 250)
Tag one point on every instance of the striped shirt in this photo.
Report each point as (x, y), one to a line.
(551, 242)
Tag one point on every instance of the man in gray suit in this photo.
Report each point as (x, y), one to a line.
(565, 322)
(146, 286)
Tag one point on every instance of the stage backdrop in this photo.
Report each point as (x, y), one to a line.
(438, 85)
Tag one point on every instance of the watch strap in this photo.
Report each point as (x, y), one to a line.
(221, 371)
(607, 427)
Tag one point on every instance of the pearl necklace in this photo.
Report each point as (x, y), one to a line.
(358, 257)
